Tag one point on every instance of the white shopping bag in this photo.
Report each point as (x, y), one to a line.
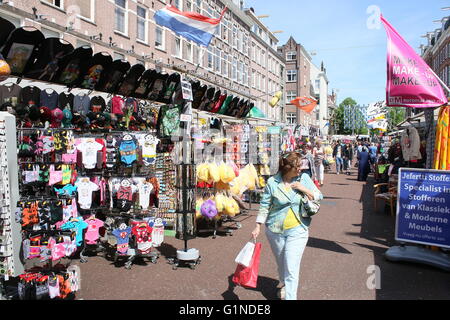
(245, 255)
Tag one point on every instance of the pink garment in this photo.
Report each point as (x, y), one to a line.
(69, 158)
(58, 249)
(92, 233)
(55, 176)
(117, 105)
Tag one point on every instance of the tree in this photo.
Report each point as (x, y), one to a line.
(338, 118)
(395, 116)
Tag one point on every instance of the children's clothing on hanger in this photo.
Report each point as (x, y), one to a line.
(85, 187)
(92, 233)
(89, 149)
(123, 239)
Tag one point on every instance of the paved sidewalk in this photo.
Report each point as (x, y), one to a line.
(346, 238)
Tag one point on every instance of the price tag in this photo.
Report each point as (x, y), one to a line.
(186, 118)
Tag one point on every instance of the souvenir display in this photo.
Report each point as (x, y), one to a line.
(130, 82)
(73, 66)
(20, 47)
(97, 64)
(47, 58)
(112, 76)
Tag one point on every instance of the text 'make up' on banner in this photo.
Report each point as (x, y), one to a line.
(423, 207)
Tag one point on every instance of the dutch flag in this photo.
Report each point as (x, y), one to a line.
(190, 25)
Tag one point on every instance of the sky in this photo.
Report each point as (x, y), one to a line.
(343, 35)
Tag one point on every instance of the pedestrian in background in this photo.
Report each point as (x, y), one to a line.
(363, 164)
(338, 155)
(319, 157)
(286, 229)
(349, 156)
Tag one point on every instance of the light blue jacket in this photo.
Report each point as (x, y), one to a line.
(276, 202)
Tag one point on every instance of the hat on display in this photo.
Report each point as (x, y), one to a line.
(46, 114)
(34, 113)
(67, 118)
(21, 110)
(57, 117)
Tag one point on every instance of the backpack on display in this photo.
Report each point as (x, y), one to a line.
(96, 66)
(112, 76)
(144, 84)
(130, 81)
(47, 58)
(172, 83)
(73, 67)
(158, 86)
(209, 95)
(198, 94)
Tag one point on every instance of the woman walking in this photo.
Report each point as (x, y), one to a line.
(319, 157)
(286, 229)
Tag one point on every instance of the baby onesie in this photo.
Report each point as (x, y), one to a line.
(85, 190)
(123, 238)
(128, 152)
(148, 145)
(143, 234)
(92, 233)
(76, 225)
(145, 189)
(89, 149)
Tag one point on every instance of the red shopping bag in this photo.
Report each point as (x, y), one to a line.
(316, 182)
(248, 276)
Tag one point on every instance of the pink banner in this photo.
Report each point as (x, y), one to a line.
(410, 81)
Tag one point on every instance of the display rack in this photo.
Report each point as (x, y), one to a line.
(10, 229)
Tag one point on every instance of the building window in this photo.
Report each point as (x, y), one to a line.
(234, 70)
(121, 16)
(189, 5)
(210, 64)
(87, 9)
(189, 52)
(177, 48)
(224, 64)
(196, 54)
(56, 3)
(159, 38)
(317, 84)
(217, 66)
(291, 95)
(291, 118)
(141, 24)
(263, 58)
(291, 75)
(198, 6)
(291, 56)
(178, 4)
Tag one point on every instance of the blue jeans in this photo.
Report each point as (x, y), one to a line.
(288, 249)
(339, 164)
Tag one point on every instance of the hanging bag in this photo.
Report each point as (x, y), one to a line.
(247, 277)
